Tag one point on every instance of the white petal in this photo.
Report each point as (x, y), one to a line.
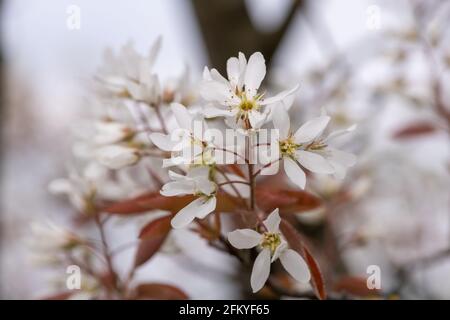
(339, 133)
(182, 116)
(116, 157)
(279, 250)
(257, 118)
(294, 172)
(244, 238)
(313, 162)
(207, 206)
(344, 158)
(177, 188)
(219, 92)
(311, 129)
(272, 222)
(205, 186)
(254, 73)
(281, 96)
(295, 265)
(281, 121)
(164, 141)
(212, 112)
(261, 270)
(198, 207)
(233, 71)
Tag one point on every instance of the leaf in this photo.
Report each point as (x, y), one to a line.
(152, 237)
(414, 130)
(356, 286)
(296, 243)
(159, 291)
(59, 296)
(288, 201)
(149, 201)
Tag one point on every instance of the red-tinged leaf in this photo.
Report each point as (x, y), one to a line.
(59, 296)
(236, 170)
(149, 201)
(296, 243)
(152, 237)
(414, 130)
(356, 286)
(159, 291)
(288, 201)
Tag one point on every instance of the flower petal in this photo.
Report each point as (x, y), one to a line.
(211, 111)
(261, 270)
(281, 121)
(207, 206)
(281, 96)
(198, 207)
(294, 172)
(257, 118)
(311, 129)
(164, 141)
(177, 188)
(295, 265)
(279, 250)
(254, 73)
(244, 238)
(339, 133)
(182, 116)
(272, 222)
(313, 162)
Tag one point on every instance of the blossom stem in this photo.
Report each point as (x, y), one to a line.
(105, 249)
(265, 166)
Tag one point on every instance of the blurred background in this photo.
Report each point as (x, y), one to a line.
(381, 64)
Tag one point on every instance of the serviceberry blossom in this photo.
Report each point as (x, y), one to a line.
(308, 148)
(273, 247)
(197, 182)
(129, 74)
(237, 98)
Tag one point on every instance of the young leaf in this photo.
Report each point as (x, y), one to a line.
(296, 243)
(152, 237)
(159, 291)
(415, 129)
(356, 286)
(288, 201)
(147, 202)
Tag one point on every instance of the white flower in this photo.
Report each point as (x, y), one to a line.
(108, 132)
(197, 183)
(307, 147)
(116, 156)
(129, 74)
(187, 144)
(79, 188)
(48, 236)
(273, 246)
(237, 98)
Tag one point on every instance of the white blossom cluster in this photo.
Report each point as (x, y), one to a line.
(153, 126)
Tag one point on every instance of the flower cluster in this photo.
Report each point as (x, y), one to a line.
(147, 125)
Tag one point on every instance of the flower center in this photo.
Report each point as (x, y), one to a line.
(288, 146)
(247, 105)
(271, 241)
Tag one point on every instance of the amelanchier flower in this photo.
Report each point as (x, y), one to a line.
(129, 75)
(272, 246)
(308, 148)
(117, 156)
(108, 132)
(188, 144)
(237, 97)
(197, 183)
